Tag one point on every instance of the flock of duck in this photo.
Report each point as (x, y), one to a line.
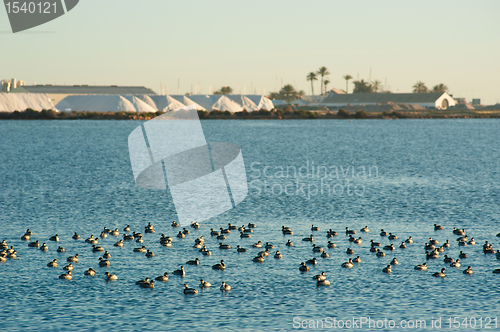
(432, 248)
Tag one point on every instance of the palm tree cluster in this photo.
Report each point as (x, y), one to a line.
(420, 87)
(313, 76)
(225, 90)
(287, 93)
(366, 87)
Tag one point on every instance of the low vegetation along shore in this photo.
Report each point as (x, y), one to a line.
(279, 114)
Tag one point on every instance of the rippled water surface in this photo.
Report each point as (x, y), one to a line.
(403, 176)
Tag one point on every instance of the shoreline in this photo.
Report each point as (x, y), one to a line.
(278, 114)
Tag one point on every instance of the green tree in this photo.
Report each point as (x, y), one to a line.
(376, 86)
(440, 88)
(322, 71)
(420, 87)
(362, 87)
(225, 90)
(347, 78)
(289, 93)
(312, 77)
(326, 82)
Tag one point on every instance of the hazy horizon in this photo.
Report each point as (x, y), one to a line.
(261, 45)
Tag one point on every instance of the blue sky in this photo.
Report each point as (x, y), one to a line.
(259, 44)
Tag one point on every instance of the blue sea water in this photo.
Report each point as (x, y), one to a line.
(402, 176)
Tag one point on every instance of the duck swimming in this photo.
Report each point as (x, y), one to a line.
(72, 258)
(240, 249)
(322, 283)
(264, 253)
(394, 261)
(462, 255)
(54, 238)
(389, 247)
(53, 263)
(61, 249)
(357, 260)
(380, 253)
(225, 287)
(163, 277)
(110, 276)
(365, 229)
(289, 243)
(44, 247)
(219, 266)
(317, 248)
(149, 254)
(257, 245)
(387, 269)
(421, 267)
(330, 244)
(320, 277)
(448, 259)
(188, 290)
(97, 248)
(314, 228)
(278, 255)
(89, 272)
(349, 231)
(402, 245)
(259, 259)
(141, 249)
(104, 262)
(383, 233)
(224, 246)
(438, 227)
(205, 284)
(348, 264)
(308, 239)
(119, 244)
(349, 251)
(303, 267)
(66, 276)
(468, 270)
(193, 262)
(106, 255)
(456, 264)
(180, 272)
(35, 244)
(440, 274)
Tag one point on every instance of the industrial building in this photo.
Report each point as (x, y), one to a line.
(439, 100)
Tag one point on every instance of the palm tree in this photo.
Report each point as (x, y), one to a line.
(225, 90)
(322, 71)
(288, 91)
(419, 87)
(326, 82)
(440, 88)
(362, 87)
(347, 78)
(312, 77)
(376, 85)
